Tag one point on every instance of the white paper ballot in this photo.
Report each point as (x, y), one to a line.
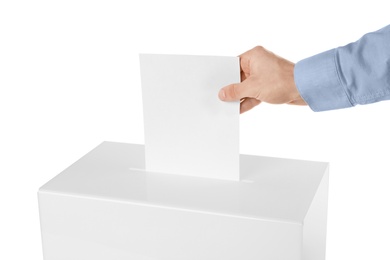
(188, 130)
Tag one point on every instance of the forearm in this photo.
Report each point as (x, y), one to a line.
(358, 73)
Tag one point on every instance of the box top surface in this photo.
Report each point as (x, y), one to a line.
(270, 188)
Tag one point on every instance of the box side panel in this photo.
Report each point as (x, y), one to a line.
(42, 220)
(315, 223)
(85, 228)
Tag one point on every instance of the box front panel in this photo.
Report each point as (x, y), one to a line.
(84, 228)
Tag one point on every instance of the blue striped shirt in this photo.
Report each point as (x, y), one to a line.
(358, 73)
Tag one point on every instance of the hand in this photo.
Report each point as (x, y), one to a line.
(265, 77)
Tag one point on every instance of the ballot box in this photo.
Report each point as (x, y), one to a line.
(107, 206)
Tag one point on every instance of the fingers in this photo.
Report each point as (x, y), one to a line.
(248, 104)
(245, 62)
(243, 76)
(235, 92)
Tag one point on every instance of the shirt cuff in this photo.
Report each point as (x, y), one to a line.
(318, 82)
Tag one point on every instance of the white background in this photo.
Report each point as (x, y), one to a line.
(69, 79)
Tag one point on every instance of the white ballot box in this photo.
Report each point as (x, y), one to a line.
(106, 206)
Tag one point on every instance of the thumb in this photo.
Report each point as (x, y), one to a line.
(235, 92)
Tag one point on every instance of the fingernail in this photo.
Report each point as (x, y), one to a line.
(222, 94)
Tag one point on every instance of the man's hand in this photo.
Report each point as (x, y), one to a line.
(265, 77)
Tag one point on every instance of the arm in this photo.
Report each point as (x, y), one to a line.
(358, 73)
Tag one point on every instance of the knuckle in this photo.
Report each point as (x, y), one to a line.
(233, 91)
(259, 49)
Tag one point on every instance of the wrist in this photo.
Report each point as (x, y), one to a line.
(294, 95)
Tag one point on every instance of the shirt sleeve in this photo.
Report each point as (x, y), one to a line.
(358, 73)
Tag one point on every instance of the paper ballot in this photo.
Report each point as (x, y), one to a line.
(188, 130)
